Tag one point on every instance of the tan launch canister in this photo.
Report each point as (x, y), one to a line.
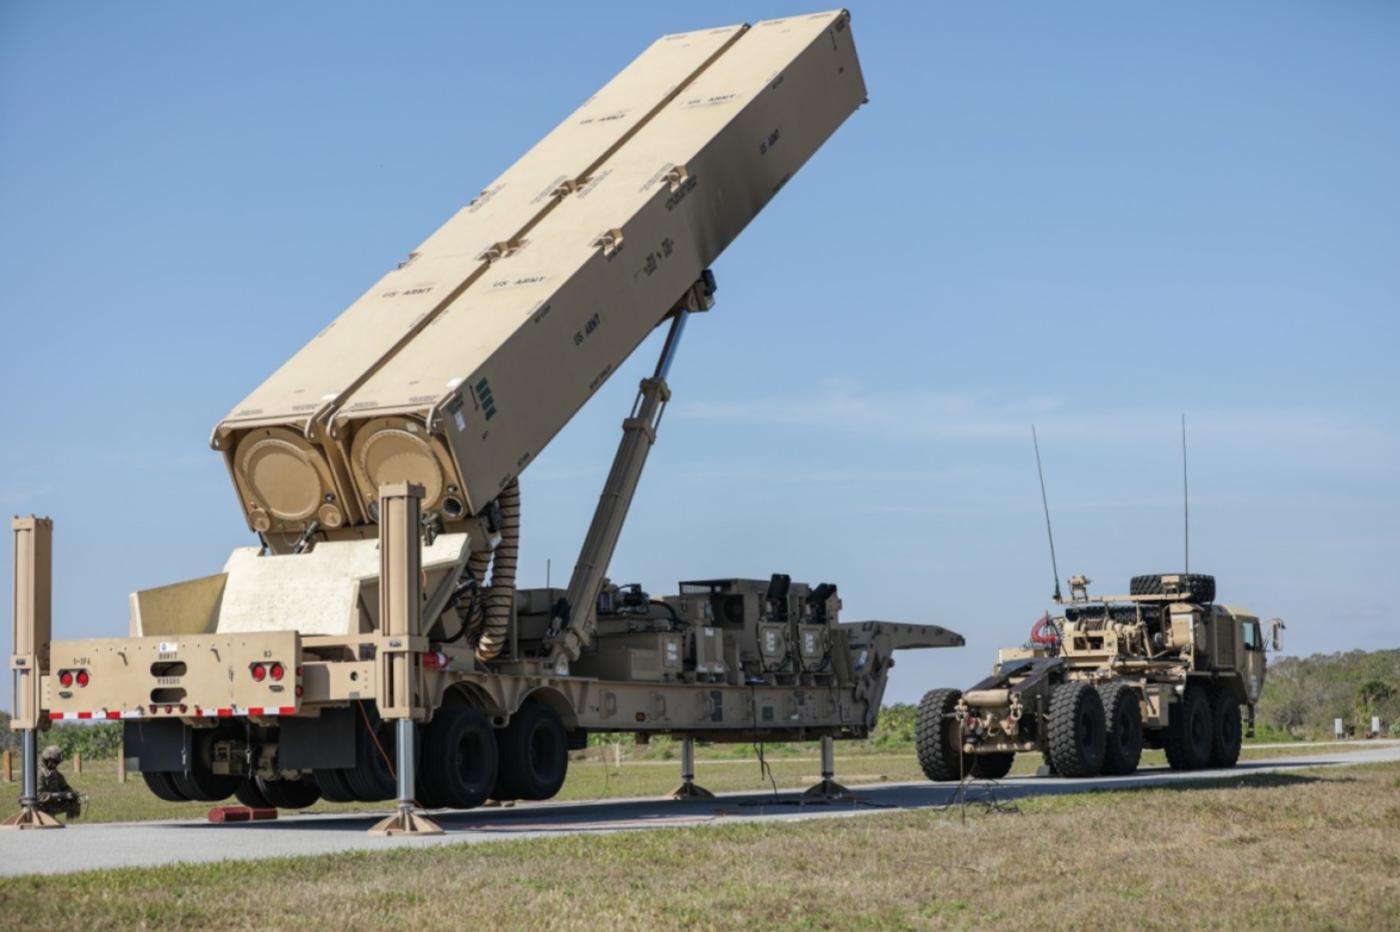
(456, 369)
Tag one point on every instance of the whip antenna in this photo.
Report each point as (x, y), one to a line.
(1185, 501)
(1045, 504)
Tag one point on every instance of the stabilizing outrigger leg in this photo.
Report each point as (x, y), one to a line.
(400, 617)
(689, 789)
(828, 788)
(33, 630)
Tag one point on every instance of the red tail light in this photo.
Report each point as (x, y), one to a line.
(259, 672)
(276, 671)
(83, 678)
(66, 678)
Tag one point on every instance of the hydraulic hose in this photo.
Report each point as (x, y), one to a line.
(500, 596)
(1043, 637)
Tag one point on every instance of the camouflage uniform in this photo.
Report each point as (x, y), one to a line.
(56, 797)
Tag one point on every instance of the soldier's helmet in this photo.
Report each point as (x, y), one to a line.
(52, 756)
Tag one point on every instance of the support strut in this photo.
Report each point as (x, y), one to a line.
(401, 622)
(828, 788)
(689, 789)
(572, 627)
(33, 628)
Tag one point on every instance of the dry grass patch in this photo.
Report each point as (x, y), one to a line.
(1316, 850)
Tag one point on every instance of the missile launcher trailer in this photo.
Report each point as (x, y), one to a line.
(1164, 667)
(374, 646)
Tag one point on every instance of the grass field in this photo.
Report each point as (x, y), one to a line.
(1316, 849)
(595, 778)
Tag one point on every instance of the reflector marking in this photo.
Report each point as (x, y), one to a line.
(196, 712)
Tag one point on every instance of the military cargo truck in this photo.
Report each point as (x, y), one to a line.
(1165, 666)
(374, 645)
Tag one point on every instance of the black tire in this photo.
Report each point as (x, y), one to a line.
(163, 786)
(1123, 718)
(372, 777)
(1227, 731)
(1075, 731)
(1188, 736)
(936, 736)
(460, 756)
(333, 786)
(1202, 587)
(203, 786)
(251, 795)
(991, 766)
(199, 783)
(533, 754)
(290, 794)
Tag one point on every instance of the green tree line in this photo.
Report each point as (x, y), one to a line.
(1304, 695)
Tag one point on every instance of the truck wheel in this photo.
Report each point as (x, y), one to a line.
(459, 759)
(1076, 730)
(936, 736)
(372, 777)
(1202, 586)
(290, 794)
(991, 766)
(333, 786)
(1123, 715)
(163, 786)
(251, 795)
(1225, 728)
(204, 786)
(200, 783)
(534, 754)
(1187, 740)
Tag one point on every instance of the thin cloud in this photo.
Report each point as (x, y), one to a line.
(989, 416)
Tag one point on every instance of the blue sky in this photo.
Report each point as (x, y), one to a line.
(1094, 217)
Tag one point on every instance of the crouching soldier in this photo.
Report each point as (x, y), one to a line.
(56, 797)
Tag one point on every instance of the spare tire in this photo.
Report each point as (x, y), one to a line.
(1201, 586)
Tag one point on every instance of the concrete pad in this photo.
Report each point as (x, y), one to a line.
(132, 844)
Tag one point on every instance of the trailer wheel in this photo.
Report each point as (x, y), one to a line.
(163, 786)
(1188, 737)
(372, 777)
(459, 759)
(1225, 728)
(1202, 587)
(936, 736)
(1123, 715)
(251, 795)
(1076, 730)
(991, 766)
(534, 754)
(333, 786)
(200, 783)
(290, 794)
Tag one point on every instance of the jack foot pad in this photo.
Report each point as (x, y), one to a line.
(406, 822)
(31, 817)
(829, 789)
(690, 790)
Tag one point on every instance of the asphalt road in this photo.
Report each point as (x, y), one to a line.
(133, 844)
